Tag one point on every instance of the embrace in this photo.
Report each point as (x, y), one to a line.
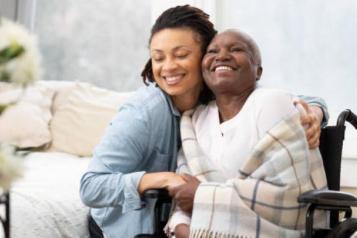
(243, 153)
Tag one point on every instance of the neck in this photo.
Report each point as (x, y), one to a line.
(230, 105)
(185, 102)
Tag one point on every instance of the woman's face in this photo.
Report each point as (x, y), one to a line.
(229, 65)
(176, 61)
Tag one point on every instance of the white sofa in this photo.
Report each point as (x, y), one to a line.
(61, 122)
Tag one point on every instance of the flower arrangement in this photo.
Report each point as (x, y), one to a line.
(19, 67)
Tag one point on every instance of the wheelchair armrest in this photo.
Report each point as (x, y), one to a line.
(328, 197)
(161, 194)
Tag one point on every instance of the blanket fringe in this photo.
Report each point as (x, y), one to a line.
(202, 233)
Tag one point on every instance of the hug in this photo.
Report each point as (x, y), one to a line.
(243, 153)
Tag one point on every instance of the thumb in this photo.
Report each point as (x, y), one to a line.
(187, 177)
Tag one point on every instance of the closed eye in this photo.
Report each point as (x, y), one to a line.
(212, 51)
(236, 49)
(181, 56)
(157, 59)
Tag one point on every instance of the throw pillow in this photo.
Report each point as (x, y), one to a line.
(82, 113)
(26, 123)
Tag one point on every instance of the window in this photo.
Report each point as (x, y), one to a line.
(102, 42)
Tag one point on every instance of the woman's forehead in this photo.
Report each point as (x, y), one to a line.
(230, 37)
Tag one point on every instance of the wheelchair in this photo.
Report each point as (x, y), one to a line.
(331, 200)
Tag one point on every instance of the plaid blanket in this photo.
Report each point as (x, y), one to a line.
(262, 200)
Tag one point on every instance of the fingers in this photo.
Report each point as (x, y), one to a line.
(313, 132)
(301, 105)
(298, 101)
(314, 141)
(187, 177)
(174, 189)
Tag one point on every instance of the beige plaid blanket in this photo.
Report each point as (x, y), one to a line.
(262, 200)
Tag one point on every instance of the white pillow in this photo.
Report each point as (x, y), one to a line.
(26, 124)
(81, 116)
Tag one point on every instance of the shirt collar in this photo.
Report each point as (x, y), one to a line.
(173, 108)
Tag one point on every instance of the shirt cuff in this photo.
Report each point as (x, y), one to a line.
(132, 200)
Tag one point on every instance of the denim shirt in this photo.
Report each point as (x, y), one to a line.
(142, 137)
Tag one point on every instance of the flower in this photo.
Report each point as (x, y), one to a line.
(19, 67)
(19, 55)
(11, 166)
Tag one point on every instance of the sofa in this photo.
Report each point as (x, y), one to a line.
(57, 124)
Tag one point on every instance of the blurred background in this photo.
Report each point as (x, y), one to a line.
(308, 47)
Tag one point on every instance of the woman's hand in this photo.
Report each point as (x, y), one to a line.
(174, 180)
(159, 180)
(311, 118)
(185, 194)
(182, 231)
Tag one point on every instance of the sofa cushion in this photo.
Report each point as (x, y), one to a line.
(26, 124)
(81, 115)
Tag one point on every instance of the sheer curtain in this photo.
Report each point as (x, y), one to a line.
(101, 42)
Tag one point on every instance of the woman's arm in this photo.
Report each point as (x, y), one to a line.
(113, 176)
(117, 173)
(166, 180)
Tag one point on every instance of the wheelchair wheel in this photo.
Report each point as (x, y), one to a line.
(345, 229)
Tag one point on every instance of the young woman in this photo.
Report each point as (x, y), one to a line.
(142, 140)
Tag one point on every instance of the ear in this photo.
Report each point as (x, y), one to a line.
(259, 72)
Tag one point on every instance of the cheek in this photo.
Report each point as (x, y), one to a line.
(205, 65)
(206, 62)
(155, 70)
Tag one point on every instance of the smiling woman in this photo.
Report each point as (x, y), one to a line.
(141, 143)
(221, 72)
(176, 64)
(239, 150)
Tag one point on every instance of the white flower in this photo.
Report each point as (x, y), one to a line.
(24, 68)
(11, 166)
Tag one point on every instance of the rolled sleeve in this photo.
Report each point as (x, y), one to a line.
(132, 199)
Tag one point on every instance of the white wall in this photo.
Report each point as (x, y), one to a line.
(308, 46)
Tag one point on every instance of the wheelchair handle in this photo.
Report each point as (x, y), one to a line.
(347, 115)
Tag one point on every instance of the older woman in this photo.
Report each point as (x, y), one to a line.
(248, 150)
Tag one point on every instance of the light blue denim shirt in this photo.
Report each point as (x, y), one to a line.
(143, 137)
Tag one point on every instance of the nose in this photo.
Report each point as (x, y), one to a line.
(169, 64)
(223, 55)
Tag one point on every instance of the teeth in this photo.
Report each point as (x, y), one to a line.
(223, 68)
(172, 80)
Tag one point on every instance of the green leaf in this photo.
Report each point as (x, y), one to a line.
(11, 52)
(2, 108)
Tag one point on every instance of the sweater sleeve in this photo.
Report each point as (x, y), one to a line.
(113, 177)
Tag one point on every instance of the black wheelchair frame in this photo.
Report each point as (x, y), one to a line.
(332, 200)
